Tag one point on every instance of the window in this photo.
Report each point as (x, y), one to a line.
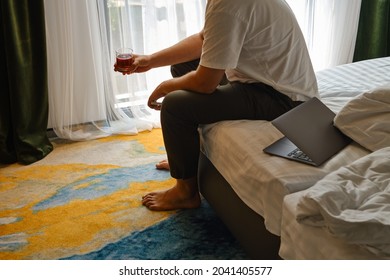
(147, 26)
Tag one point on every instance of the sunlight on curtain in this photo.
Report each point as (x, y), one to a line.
(87, 99)
(330, 29)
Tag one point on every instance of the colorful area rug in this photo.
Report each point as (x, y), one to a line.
(83, 201)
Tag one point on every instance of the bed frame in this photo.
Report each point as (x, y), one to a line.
(246, 225)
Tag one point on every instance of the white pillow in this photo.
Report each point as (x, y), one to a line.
(366, 118)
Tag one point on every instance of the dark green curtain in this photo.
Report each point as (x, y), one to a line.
(373, 38)
(23, 82)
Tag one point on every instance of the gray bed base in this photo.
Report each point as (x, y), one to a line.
(246, 225)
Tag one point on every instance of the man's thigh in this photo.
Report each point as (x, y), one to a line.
(233, 101)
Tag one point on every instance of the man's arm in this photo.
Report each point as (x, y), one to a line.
(188, 49)
(203, 81)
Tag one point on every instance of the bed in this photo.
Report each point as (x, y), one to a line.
(348, 209)
(247, 187)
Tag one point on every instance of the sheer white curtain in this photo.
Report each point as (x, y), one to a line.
(87, 99)
(330, 28)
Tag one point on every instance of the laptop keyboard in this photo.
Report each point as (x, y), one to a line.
(297, 153)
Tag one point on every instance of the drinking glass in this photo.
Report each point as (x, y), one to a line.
(124, 58)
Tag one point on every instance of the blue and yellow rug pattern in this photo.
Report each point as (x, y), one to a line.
(83, 201)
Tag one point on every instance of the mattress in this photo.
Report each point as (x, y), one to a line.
(262, 181)
(301, 242)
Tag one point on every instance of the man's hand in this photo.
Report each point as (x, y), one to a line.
(141, 64)
(161, 90)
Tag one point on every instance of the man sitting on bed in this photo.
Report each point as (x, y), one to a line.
(260, 48)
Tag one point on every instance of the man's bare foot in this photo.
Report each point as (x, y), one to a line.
(183, 195)
(164, 165)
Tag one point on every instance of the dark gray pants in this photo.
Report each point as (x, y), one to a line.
(183, 111)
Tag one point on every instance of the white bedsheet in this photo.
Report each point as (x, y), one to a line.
(353, 203)
(262, 181)
(337, 85)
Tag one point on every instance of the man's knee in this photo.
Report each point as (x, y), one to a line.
(172, 100)
(178, 104)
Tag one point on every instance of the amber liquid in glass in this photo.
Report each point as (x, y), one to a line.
(124, 60)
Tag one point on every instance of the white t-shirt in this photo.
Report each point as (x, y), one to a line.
(258, 41)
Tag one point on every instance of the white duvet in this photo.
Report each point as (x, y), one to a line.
(353, 203)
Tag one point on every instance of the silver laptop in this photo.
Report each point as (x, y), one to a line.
(309, 134)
